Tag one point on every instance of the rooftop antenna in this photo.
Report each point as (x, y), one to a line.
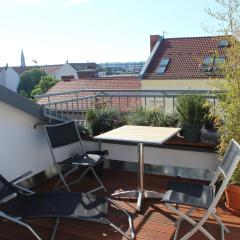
(167, 33)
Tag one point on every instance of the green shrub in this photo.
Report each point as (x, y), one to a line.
(153, 117)
(102, 120)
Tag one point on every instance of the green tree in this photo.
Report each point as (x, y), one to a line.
(227, 111)
(28, 81)
(44, 85)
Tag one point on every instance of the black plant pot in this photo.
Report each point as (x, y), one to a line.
(192, 132)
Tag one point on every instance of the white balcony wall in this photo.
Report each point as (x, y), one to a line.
(200, 163)
(23, 148)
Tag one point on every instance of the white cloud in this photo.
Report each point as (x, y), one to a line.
(74, 2)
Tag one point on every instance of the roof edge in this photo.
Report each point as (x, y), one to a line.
(15, 100)
(152, 54)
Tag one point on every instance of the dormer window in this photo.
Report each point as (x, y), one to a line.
(162, 66)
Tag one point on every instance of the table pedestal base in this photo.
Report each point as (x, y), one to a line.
(138, 195)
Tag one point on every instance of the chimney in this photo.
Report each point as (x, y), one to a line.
(153, 40)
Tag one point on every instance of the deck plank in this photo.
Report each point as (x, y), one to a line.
(154, 222)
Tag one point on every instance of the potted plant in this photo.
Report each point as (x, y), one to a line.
(191, 112)
(153, 117)
(101, 120)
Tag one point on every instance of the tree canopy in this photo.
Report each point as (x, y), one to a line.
(44, 85)
(28, 81)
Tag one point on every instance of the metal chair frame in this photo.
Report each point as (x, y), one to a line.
(20, 221)
(225, 168)
(75, 167)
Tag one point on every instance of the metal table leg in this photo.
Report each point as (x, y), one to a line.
(140, 194)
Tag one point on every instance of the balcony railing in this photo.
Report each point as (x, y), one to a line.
(75, 104)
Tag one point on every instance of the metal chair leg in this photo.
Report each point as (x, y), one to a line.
(130, 223)
(98, 179)
(54, 231)
(62, 178)
(17, 221)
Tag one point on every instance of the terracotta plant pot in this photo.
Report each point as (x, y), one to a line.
(233, 199)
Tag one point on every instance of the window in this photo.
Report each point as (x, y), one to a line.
(208, 60)
(219, 60)
(223, 43)
(162, 66)
(212, 64)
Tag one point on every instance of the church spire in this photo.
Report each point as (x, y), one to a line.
(22, 60)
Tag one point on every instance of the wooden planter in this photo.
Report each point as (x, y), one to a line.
(233, 199)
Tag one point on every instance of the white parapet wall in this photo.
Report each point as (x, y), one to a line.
(23, 148)
(189, 163)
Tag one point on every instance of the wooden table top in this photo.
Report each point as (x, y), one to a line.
(139, 134)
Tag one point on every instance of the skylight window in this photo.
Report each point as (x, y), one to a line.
(212, 64)
(223, 43)
(219, 60)
(162, 66)
(208, 60)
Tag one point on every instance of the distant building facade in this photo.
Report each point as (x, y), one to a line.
(121, 68)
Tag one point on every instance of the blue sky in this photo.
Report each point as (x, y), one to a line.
(53, 31)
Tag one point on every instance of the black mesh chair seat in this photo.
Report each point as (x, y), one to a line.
(84, 160)
(200, 196)
(80, 206)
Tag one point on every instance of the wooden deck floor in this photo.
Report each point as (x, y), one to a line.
(154, 222)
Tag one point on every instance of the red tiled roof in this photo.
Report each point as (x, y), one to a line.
(20, 70)
(120, 83)
(47, 68)
(186, 56)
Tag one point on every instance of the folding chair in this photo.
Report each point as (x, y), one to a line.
(66, 134)
(203, 196)
(18, 204)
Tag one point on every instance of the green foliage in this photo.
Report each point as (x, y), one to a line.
(44, 85)
(153, 117)
(227, 109)
(28, 81)
(191, 109)
(102, 120)
(235, 179)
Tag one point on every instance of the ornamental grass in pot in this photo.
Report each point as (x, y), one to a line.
(192, 113)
